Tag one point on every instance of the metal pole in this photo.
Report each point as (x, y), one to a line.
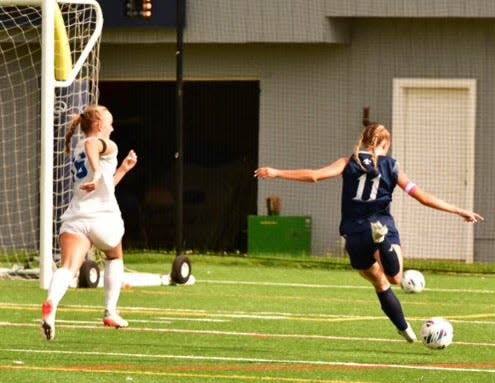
(46, 176)
(179, 129)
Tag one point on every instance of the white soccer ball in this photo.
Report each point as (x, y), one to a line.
(413, 281)
(437, 333)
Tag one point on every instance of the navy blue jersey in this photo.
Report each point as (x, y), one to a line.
(367, 194)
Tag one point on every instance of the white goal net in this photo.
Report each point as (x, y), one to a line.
(48, 71)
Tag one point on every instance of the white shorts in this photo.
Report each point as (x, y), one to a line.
(105, 231)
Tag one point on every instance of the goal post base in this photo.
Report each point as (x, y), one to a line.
(138, 279)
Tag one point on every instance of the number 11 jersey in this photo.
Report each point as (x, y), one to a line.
(367, 193)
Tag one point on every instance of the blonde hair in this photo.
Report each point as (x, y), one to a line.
(86, 120)
(371, 137)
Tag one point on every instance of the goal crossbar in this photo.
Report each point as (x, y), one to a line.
(49, 14)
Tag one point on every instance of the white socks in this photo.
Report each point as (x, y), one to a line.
(59, 285)
(113, 278)
(114, 275)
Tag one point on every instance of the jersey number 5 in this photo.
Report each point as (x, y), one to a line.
(80, 171)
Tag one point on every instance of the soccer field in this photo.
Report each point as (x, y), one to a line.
(244, 322)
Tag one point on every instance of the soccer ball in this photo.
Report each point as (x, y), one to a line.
(412, 281)
(437, 333)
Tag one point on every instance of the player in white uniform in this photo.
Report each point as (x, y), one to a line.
(93, 216)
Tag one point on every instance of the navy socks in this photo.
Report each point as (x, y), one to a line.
(392, 308)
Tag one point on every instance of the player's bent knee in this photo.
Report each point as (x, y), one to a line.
(395, 280)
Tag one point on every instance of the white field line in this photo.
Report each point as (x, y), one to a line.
(325, 286)
(135, 356)
(97, 326)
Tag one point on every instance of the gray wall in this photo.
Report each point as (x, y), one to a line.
(312, 93)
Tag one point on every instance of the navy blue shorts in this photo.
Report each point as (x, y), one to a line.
(361, 248)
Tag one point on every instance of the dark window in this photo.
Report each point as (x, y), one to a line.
(220, 153)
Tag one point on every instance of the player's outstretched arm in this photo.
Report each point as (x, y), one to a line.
(434, 202)
(304, 175)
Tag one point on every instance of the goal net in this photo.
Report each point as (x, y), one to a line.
(48, 71)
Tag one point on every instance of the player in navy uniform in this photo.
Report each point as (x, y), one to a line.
(371, 238)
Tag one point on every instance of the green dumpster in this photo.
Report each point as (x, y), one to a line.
(279, 234)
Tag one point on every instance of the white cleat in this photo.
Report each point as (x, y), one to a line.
(378, 231)
(408, 334)
(114, 320)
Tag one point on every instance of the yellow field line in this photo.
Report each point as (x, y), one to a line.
(93, 371)
(180, 313)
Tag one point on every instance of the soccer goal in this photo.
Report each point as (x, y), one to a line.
(49, 70)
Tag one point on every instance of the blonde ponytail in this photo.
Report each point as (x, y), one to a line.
(357, 148)
(371, 137)
(86, 120)
(76, 121)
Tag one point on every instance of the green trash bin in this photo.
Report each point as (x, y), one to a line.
(279, 234)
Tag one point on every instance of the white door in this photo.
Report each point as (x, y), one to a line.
(433, 140)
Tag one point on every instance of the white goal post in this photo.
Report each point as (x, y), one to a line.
(57, 44)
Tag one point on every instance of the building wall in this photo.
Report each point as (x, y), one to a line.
(312, 95)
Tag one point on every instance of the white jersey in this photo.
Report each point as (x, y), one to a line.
(101, 200)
